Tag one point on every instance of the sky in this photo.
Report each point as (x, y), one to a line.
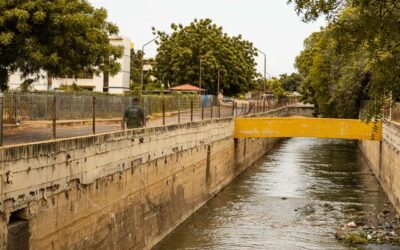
(271, 25)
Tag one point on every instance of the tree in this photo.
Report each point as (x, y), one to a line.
(136, 72)
(365, 39)
(333, 80)
(59, 37)
(136, 65)
(290, 82)
(275, 86)
(203, 48)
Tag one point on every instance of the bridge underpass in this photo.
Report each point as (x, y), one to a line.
(284, 127)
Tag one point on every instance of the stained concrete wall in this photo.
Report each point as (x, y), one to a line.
(384, 160)
(119, 190)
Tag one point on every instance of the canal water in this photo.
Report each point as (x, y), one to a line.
(293, 198)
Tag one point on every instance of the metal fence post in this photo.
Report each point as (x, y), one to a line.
(257, 107)
(143, 108)
(236, 109)
(149, 104)
(179, 110)
(233, 108)
(1, 118)
(219, 110)
(163, 111)
(54, 117)
(263, 105)
(94, 115)
(202, 110)
(191, 110)
(15, 108)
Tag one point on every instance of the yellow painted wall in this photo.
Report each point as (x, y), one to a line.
(275, 127)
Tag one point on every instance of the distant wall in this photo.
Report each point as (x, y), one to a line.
(384, 160)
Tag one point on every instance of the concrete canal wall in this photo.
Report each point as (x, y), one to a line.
(119, 190)
(384, 160)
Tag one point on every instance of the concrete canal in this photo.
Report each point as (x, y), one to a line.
(296, 197)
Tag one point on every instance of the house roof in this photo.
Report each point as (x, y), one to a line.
(187, 87)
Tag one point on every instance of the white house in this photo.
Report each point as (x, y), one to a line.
(117, 84)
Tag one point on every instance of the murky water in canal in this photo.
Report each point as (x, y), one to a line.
(293, 198)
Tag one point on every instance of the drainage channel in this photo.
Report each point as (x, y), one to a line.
(303, 195)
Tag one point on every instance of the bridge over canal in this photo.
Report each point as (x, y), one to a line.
(283, 127)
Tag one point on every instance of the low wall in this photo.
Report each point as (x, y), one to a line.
(120, 190)
(384, 160)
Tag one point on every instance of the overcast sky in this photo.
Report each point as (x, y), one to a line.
(271, 25)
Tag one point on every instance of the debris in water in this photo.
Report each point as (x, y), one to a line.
(351, 224)
(384, 228)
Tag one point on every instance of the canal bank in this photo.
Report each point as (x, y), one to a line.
(384, 159)
(119, 190)
(295, 197)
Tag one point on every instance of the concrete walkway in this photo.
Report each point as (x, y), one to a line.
(36, 131)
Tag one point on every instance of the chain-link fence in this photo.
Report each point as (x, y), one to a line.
(34, 117)
(389, 111)
(394, 113)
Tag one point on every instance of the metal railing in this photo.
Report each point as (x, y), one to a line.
(394, 112)
(35, 117)
(389, 111)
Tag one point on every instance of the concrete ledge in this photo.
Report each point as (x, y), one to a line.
(32, 167)
(124, 189)
(384, 160)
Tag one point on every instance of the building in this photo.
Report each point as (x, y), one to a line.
(117, 84)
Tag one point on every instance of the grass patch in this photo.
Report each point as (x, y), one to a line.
(356, 239)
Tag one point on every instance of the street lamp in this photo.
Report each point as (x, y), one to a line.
(265, 68)
(141, 73)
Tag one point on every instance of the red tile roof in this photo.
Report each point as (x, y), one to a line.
(187, 87)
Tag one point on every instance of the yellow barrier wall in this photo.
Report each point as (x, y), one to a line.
(275, 127)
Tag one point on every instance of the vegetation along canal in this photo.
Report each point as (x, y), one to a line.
(306, 194)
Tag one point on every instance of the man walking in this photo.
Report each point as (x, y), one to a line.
(134, 115)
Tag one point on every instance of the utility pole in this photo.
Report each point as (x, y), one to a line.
(142, 60)
(265, 69)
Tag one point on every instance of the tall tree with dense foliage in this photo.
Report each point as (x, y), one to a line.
(203, 46)
(136, 71)
(333, 81)
(136, 65)
(59, 37)
(291, 82)
(363, 43)
(275, 86)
